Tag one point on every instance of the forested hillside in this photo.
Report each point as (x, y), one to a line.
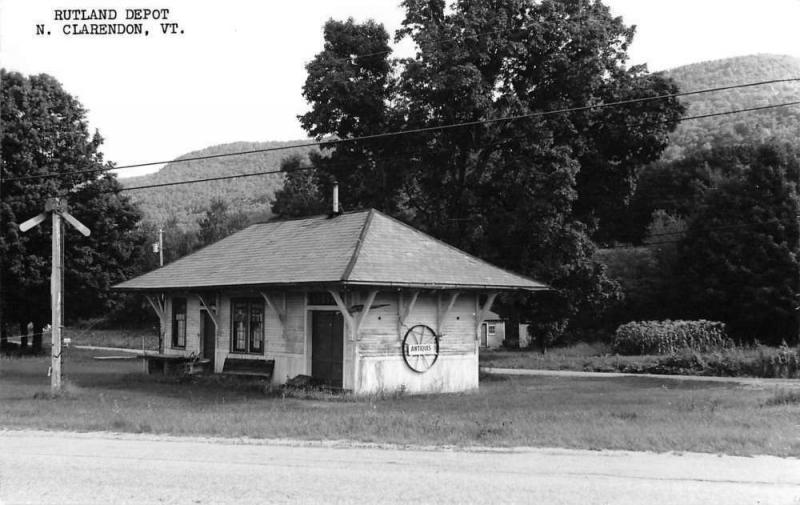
(186, 203)
(715, 218)
(781, 124)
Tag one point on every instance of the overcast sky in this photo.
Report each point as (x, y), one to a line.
(236, 71)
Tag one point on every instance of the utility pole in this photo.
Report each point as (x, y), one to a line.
(161, 247)
(56, 305)
(3, 334)
(58, 209)
(158, 247)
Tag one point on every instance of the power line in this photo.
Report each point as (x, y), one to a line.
(749, 109)
(269, 172)
(405, 156)
(428, 129)
(209, 179)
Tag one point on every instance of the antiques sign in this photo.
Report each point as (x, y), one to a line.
(420, 348)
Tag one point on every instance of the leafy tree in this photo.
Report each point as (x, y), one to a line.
(44, 131)
(300, 195)
(350, 96)
(219, 222)
(648, 275)
(646, 281)
(525, 194)
(109, 255)
(678, 187)
(178, 242)
(675, 188)
(740, 255)
(664, 228)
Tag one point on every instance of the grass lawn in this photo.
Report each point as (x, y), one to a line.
(628, 413)
(581, 357)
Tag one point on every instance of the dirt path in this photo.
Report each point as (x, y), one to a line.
(47, 467)
(750, 381)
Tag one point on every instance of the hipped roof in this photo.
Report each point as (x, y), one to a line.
(359, 248)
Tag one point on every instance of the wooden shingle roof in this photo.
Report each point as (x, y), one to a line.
(359, 248)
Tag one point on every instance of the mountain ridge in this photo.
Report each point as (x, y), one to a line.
(781, 124)
(187, 203)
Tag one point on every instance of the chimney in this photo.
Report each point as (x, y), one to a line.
(335, 198)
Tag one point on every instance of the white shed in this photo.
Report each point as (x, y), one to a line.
(493, 331)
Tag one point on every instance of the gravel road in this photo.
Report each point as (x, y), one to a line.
(101, 468)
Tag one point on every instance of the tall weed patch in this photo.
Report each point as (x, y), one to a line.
(669, 337)
(781, 362)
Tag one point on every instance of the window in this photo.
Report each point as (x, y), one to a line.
(247, 326)
(179, 322)
(256, 332)
(492, 329)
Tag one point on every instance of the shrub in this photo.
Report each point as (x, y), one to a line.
(781, 362)
(768, 362)
(668, 337)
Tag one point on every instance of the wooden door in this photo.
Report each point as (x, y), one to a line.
(484, 335)
(209, 337)
(327, 342)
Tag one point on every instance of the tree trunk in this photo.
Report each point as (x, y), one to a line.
(3, 335)
(23, 339)
(37, 337)
(512, 332)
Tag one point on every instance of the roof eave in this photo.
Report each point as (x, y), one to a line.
(329, 284)
(431, 285)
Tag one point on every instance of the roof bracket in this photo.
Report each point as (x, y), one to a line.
(441, 314)
(211, 309)
(277, 306)
(365, 312)
(404, 310)
(480, 316)
(348, 318)
(159, 306)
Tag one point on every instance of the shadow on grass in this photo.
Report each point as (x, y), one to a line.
(198, 388)
(85, 376)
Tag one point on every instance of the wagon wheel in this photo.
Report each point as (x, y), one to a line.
(420, 348)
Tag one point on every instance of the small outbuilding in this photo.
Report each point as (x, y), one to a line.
(359, 301)
(493, 331)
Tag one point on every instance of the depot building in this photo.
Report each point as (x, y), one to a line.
(358, 301)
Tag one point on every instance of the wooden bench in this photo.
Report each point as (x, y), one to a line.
(168, 364)
(262, 368)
